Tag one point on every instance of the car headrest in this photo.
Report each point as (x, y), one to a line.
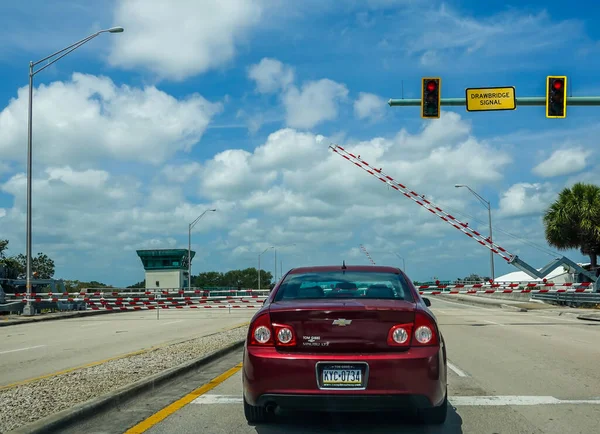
(380, 291)
(345, 285)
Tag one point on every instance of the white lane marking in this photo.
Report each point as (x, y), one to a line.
(21, 349)
(493, 322)
(456, 369)
(462, 304)
(217, 399)
(516, 400)
(172, 322)
(458, 401)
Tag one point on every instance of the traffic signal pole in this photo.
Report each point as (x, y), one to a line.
(522, 101)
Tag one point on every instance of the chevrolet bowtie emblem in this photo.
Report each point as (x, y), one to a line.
(342, 322)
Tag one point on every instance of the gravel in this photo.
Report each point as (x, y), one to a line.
(29, 402)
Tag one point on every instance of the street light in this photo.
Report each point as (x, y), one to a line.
(487, 204)
(192, 224)
(28, 308)
(403, 264)
(275, 247)
(259, 255)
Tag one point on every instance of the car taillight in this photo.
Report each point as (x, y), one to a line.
(399, 335)
(264, 333)
(284, 335)
(425, 330)
(261, 331)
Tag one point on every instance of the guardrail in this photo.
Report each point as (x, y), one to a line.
(570, 299)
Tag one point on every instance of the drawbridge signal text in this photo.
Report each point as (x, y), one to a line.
(485, 99)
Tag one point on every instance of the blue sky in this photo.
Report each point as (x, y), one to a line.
(232, 105)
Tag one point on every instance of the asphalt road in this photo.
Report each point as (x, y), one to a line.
(510, 372)
(36, 349)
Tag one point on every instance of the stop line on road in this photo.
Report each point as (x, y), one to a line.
(457, 401)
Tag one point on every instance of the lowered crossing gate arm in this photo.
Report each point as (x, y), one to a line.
(463, 227)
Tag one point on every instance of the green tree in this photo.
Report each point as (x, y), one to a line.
(247, 278)
(3, 247)
(9, 266)
(77, 286)
(41, 265)
(573, 221)
(141, 284)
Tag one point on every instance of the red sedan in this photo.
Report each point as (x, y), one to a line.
(345, 338)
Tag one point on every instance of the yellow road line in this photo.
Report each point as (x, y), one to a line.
(161, 415)
(100, 362)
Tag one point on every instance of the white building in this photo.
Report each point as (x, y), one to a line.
(561, 274)
(165, 268)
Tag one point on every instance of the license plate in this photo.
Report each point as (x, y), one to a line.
(341, 377)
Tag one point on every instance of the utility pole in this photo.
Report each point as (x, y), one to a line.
(487, 204)
(191, 225)
(259, 255)
(28, 309)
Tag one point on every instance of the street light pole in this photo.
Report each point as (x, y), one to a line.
(191, 225)
(28, 309)
(259, 255)
(403, 264)
(488, 205)
(275, 247)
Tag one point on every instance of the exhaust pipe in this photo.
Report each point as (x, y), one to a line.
(270, 408)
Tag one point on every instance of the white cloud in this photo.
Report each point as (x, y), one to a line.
(229, 175)
(2, 212)
(524, 199)
(300, 186)
(91, 117)
(180, 39)
(271, 75)
(315, 103)
(181, 173)
(563, 162)
(369, 106)
(89, 218)
(456, 39)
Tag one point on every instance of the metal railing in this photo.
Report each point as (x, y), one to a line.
(569, 298)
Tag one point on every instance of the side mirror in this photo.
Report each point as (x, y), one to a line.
(427, 302)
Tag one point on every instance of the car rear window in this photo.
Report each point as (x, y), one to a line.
(344, 284)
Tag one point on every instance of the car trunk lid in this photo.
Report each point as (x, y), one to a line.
(342, 325)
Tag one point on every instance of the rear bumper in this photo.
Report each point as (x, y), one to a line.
(415, 378)
(352, 403)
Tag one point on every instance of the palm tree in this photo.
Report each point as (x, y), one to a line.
(573, 221)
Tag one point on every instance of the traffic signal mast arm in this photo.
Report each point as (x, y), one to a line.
(521, 101)
(463, 227)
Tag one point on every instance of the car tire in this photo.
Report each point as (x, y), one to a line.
(254, 414)
(435, 415)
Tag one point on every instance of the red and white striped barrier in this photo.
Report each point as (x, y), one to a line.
(508, 288)
(233, 293)
(163, 306)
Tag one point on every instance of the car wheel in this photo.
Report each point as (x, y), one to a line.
(435, 415)
(254, 414)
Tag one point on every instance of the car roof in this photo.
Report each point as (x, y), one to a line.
(360, 268)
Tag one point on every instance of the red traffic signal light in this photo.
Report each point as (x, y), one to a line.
(430, 97)
(556, 98)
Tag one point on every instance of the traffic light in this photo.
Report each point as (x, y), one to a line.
(556, 96)
(430, 97)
